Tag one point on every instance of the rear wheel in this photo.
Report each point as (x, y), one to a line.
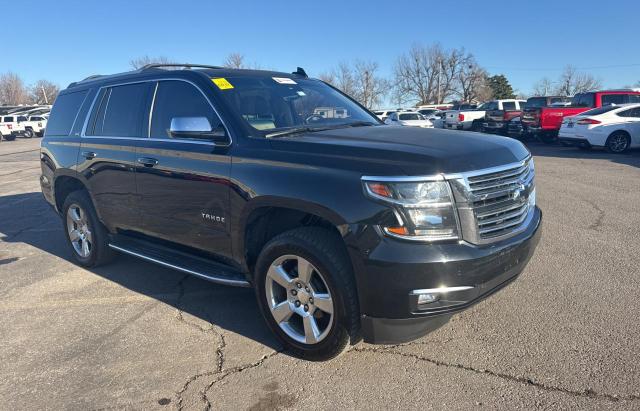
(476, 126)
(28, 133)
(306, 292)
(618, 142)
(9, 137)
(86, 235)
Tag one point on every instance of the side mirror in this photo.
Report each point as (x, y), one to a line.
(197, 128)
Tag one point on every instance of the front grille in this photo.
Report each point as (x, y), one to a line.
(495, 204)
(500, 200)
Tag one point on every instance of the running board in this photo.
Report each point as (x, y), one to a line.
(196, 266)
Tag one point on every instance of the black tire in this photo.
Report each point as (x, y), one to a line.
(323, 249)
(549, 138)
(476, 126)
(9, 137)
(618, 142)
(100, 253)
(28, 133)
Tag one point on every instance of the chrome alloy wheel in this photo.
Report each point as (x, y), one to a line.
(618, 143)
(79, 231)
(299, 299)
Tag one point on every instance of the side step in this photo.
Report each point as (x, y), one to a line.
(165, 256)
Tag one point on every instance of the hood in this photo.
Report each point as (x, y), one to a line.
(385, 150)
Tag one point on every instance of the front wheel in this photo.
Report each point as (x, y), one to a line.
(28, 133)
(618, 142)
(306, 292)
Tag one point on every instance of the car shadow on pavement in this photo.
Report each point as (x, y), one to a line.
(27, 218)
(630, 158)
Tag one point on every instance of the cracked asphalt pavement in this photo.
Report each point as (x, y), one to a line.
(132, 335)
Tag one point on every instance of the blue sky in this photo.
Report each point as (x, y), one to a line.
(68, 40)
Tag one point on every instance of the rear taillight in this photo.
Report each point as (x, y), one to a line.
(460, 117)
(10, 126)
(587, 121)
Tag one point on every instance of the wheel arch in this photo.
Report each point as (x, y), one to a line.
(266, 217)
(65, 183)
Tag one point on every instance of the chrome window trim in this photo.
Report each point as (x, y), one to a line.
(155, 80)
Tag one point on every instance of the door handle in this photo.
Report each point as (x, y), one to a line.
(147, 161)
(89, 155)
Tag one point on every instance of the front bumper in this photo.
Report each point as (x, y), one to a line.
(393, 269)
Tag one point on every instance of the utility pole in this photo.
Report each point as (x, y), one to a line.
(44, 93)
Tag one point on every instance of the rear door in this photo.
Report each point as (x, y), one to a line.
(118, 121)
(183, 183)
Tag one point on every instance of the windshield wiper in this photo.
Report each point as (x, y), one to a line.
(307, 129)
(290, 131)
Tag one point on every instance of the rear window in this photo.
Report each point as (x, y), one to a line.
(509, 105)
(410, 116)
(583, 100)
(555, 100)
(537, 102)
(599, 110)
(63, 113)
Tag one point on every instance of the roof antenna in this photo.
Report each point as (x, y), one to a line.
(300, 71)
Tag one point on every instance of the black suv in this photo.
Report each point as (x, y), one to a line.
(346, 228)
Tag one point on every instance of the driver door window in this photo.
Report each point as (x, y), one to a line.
(174, 98)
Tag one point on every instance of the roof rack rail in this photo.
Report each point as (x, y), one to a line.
(186, 65)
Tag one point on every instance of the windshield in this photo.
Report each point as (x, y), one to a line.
(274, 103)
(410, 116)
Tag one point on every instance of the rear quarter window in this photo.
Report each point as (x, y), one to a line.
(509, 105)
(64, 112)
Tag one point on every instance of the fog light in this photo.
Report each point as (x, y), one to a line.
(427, 298)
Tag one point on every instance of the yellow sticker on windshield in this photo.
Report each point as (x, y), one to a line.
(222, 83)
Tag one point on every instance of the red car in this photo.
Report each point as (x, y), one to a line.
(545, 121)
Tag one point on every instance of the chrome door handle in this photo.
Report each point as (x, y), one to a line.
(89, 155)
(147, 161)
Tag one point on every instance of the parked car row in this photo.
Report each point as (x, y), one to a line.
(605, 118)
(26, 122)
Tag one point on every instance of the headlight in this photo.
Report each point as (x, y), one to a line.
(425, 208)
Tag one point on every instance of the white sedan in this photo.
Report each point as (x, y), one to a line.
(615, 127)
(408, 118)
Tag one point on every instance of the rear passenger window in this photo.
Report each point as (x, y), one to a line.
(509, 105)
(121, 111)
(179, 99)
(64, 112)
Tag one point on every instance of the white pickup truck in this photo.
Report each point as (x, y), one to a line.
(11, 127)
(34, 126)
(465, 117)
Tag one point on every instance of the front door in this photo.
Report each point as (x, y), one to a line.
(183, 183)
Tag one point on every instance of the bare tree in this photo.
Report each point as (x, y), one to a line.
(471, 81)
(430, 74)
(543, 87)
(234, 60)
(43, 92)
(572, 82)
(359, 80)
(12, 89)
(144, 60)
(370, 88)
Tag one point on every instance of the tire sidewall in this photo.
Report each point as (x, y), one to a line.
(338, 333)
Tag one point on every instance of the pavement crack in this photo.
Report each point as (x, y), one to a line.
(600, 217)
(220, 352)
(587, 393)
(232, 371)
(180, 311)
